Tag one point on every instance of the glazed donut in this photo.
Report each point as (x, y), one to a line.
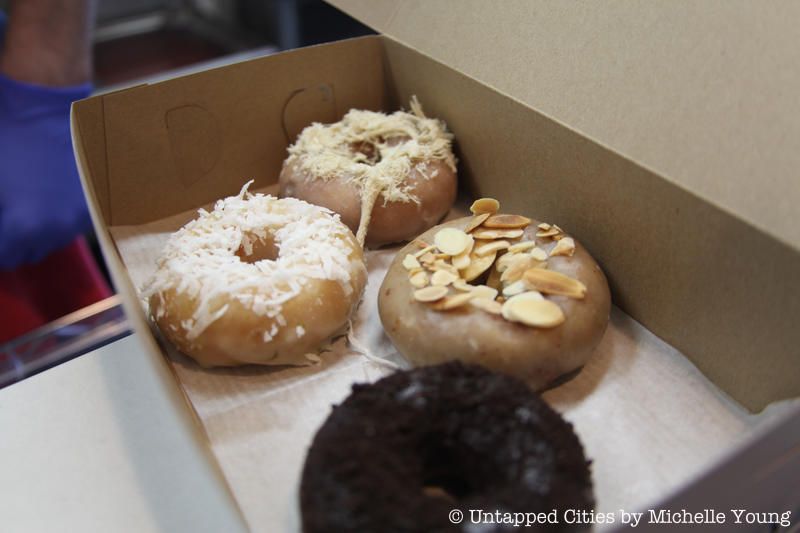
(504, 291)
(258, 280)
(390, 177)
(402, 453)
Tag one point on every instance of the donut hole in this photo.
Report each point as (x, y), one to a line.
(435, 491)
(262, 249)
(443, 475)
(369, 152)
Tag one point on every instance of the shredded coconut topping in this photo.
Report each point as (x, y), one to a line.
(375, 151)
(203, 260)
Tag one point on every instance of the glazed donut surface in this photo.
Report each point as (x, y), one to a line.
(257, 280)
(390, 177)
(535, 308)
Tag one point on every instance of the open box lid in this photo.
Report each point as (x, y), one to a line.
(696, 108)
(702, 276)
(703, 94)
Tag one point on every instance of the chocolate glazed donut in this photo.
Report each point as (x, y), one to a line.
(402, 453)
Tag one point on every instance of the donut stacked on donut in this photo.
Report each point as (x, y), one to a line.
(504, 291)
(390, 177)
(402, 453)
(257, 280)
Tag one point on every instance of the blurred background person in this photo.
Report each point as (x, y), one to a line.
(46, 267)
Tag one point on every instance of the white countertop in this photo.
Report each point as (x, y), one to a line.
(75, 456)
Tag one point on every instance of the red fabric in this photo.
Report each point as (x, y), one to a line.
(61, 283)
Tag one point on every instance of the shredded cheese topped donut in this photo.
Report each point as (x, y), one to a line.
(374, 150)
(210, 260)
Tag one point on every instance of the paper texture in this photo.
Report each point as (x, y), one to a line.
(648, 419)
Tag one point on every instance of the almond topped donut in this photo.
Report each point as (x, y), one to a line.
(390, 177)
(258, 280)
(504, 291)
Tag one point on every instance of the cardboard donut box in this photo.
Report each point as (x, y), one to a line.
(657, 135)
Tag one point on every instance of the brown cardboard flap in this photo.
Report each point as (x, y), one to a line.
(216, 129)
(721, 291)
(703, 93)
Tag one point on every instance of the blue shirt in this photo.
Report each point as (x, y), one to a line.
(42, 208)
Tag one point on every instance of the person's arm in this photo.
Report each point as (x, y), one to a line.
(45, 64)
(48, 42)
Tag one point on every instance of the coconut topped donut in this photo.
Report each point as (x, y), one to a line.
(389, 176)
(257, 280)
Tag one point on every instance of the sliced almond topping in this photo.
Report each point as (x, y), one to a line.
(487, 248)
(409, 262)
(443, 278)
(444, 265)
(484, 205)
(477, 266)
(518, 287)
(451, 302)
(505, 310)
(505, 261)
(424, 251)
(517, 268)
(555, 226)
(484, 291)
(452, 241)
(427, 258)
(507, 222)
(565, 246)
(537, 313)
(544, 226)
(551, 282)
(552, 232)
(529, 295)
(490, 306)
(462, 260)
(486, 234)
(419, 280)
(539, 254)
(420, 243)
(476, 221)
(430, 294)
(521, 246)
(493, 279)
(462, 285)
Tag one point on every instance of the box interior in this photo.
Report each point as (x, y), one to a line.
(697, 276)
(150, 155)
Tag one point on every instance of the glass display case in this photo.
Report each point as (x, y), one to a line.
(63, 339)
